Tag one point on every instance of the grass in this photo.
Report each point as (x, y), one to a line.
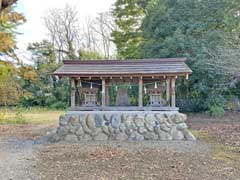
(29, 116)
(223, 153)
(200, 135)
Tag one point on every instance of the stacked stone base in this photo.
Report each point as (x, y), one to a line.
(125, 125)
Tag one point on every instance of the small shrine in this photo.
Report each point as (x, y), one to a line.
(154, 79)
(123, 100)
(156, 97)
(89, 97)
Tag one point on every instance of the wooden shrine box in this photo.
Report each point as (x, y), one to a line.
(89, 96)
(156, 97)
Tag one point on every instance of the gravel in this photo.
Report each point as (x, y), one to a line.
(173, 146)
(17, 159)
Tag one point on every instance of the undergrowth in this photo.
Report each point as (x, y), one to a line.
(17, 117)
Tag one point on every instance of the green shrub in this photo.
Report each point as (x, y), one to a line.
(216, 111)
(58, 105)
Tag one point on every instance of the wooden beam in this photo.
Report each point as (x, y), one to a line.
(134, 75)
(168, 91)
(173, 95)
(140, 92)
(126, 109)
(103, 93)
(73, 92)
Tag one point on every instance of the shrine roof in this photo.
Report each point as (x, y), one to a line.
(133, 67)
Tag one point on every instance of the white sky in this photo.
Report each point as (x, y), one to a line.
(33, 30)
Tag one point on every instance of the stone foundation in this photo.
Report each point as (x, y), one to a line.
(122, 125)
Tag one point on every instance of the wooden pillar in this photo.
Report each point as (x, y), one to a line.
(173, 96)
(73, 92)
(168, 91)
(103, 93)
(140, 94)
(107, 93)
(78, 91)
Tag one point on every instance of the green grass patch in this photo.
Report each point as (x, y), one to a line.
(201, 135)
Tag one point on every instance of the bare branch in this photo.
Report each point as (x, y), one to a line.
(63, 26)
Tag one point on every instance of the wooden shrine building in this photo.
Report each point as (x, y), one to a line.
(154, 79)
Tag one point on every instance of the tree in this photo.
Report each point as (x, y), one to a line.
(103, 26)
(97, 36)
(41, 88)
(9, 20)
(90, 55)
(90, 42)
(6, 3)
(70, 39)
(10, 91)
(64, 31)
(196, 30)
(128, 15)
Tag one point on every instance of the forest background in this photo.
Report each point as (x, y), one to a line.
(205, 32)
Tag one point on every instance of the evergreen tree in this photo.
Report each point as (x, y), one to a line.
(128, 15)
(196, 30)
(41, 87)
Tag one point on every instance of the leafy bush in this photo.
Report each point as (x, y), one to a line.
(216, 111)
(190, 104)
(58, 105)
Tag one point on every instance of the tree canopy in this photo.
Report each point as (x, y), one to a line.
(128, 15)
(10, 90)
(9, 20)
(205, 32)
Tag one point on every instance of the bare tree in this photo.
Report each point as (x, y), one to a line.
(90, 37)
(69, 39)
(225, 60)
(64, 30)
(103, 26)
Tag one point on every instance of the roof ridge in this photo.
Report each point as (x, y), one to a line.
(127, 61)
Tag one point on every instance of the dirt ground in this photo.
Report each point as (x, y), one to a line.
(216, 154)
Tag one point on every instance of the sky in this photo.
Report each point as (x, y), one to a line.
(34, 30)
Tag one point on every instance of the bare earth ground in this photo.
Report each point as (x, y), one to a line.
(216, 155)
